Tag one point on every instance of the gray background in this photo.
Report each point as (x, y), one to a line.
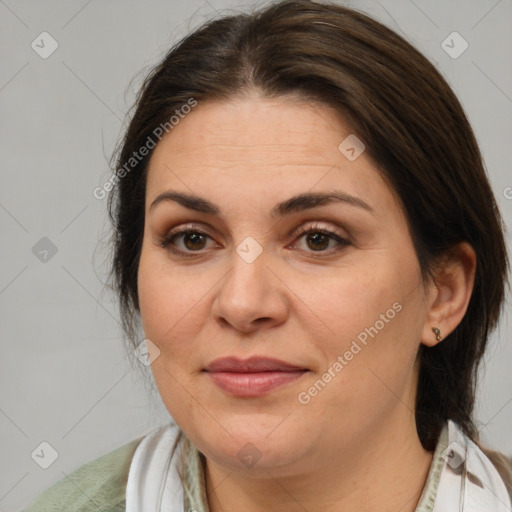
(64, 376)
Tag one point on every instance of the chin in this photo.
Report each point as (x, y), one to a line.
(253, 447)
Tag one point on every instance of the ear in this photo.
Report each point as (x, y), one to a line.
(449, 294)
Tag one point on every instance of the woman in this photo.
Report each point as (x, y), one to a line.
(303, 222)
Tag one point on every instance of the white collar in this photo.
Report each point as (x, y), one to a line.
(469, 482)
(154, 484)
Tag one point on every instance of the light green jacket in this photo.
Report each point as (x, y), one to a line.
(99, 485)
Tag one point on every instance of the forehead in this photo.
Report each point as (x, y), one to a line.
(261, 146)
(254, 126)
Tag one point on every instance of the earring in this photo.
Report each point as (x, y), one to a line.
(437, 332)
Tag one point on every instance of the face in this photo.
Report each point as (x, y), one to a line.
(331, 288)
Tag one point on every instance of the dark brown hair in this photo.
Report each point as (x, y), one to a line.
(414, 129)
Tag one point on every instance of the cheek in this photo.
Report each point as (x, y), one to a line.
(375, 323)
(162, 303)
(153, 300)
(355, 299)
(169, 319)
(173, 307)
(370, 371)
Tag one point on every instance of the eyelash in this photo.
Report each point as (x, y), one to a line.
(167, 240)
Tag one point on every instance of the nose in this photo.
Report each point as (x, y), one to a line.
(251, 295)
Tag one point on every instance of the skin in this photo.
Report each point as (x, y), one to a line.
(353, 446)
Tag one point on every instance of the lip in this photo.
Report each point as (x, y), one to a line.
(252, 364)
(252, 377)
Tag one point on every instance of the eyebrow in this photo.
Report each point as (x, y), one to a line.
(298, 203)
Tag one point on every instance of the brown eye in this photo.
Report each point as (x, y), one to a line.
(319, 241)
(193, 240)
(185, 242)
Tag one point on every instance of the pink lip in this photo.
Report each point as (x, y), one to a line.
(252, 377)
(253, 364)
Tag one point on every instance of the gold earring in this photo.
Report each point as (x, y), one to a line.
(437, 332)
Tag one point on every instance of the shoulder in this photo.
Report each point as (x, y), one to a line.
(98, 485)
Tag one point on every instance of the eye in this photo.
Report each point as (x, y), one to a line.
(194, 240)
(318, 238)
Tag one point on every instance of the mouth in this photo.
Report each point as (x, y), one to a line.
(252, 377)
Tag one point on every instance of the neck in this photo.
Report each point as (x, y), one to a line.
(384, 471)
